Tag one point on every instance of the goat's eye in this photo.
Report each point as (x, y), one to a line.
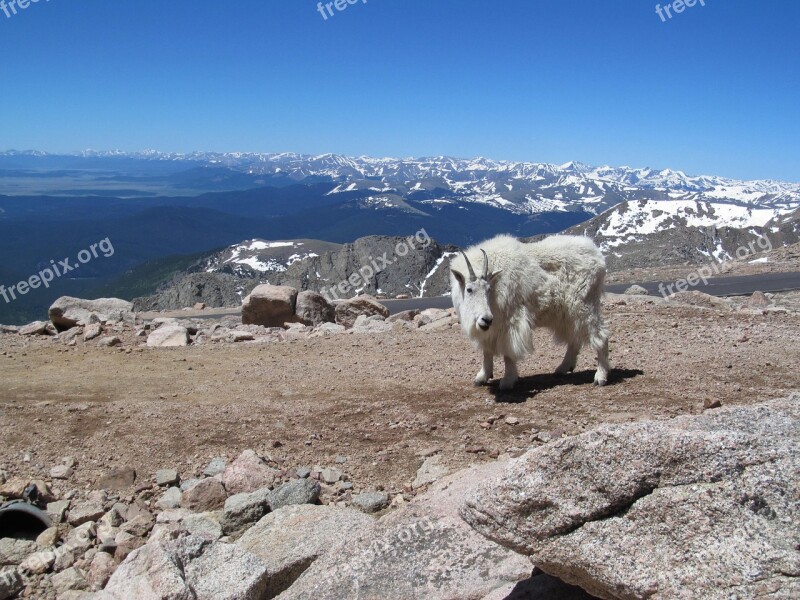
(469, 290)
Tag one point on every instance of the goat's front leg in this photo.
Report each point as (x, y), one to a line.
(511, 375)
(487, 372)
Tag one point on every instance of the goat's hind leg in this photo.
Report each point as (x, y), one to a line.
(487, 372)
(599, 343)
(570, 359)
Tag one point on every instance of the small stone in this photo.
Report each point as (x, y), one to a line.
(170, 499)
(48, 538)
(57, 510)
(92, 331)
(166, 477)
(371, 502)
(303, 472)
(39, 562)
(100, 570)
(11, 583)
(708, 403)
(108, 342)
(216, 466)
(208, 494)
(85, 512)
(431, 470)
(118, 479)
(330, 475)
(61, 472)
(298, 491)
(475, 449)
(242, 510)
(139, 526)
(247, 473)
(512, 421)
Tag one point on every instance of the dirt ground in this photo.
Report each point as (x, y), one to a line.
(382, 401)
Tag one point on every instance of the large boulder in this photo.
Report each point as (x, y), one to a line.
(423, 550)
(695, 507)
(189, 567)
(290, 539)
(270, 306)
(68, 312)
(314, 309)
(349, 310)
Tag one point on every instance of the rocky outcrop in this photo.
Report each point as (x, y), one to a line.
(270, 306)
(188, 567)
(68, 312)
(212, 289)
(169, 336)
(695, 507)
(423, 550)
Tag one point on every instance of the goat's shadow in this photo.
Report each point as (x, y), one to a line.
(528, 387)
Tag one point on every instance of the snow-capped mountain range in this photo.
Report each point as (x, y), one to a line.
(639, 201)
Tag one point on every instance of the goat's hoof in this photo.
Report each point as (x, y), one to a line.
(479, 381)
(600, 382)
(506, 386)
(564, 370)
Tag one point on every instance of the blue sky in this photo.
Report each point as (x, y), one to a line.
(713, 90)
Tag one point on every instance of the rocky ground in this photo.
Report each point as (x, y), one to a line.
(384, 407)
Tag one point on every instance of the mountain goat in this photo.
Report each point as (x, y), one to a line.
(556, 283)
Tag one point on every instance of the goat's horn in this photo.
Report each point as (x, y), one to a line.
(485, 264)
(472, 276)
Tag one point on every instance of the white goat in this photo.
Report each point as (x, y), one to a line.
(556, 283)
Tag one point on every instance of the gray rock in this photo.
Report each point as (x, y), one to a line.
(170, 499)
(38, 328)
(189, 484)
(67, 312)
(169, 336)
(270, 306)
(100, 570)
(11, 583)
(92, 331)
(635, 290)
(166, 477)
(216, 466)
(349, 310)
(118, 479)
(208, 494)
(289, 539)
(247, 473)
(108, 342)
(57, 510)
(373, 324)
(404, 316)
(431, 470)
(189, 568)
(328, 329)
(371, 502)
(423, 550)
(297, 491)
(61, 472)
(330, 475)
(14, 551)
(313, 309)
(139, 526)
(85, 512)
(699, 506)
(48, 538)
(242, 510)
(69, 579)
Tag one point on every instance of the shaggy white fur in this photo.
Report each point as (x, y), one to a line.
(556, 283)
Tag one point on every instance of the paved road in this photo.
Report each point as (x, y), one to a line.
(719, 286)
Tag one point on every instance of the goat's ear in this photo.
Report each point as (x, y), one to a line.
(460, 278)
(494, 275)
